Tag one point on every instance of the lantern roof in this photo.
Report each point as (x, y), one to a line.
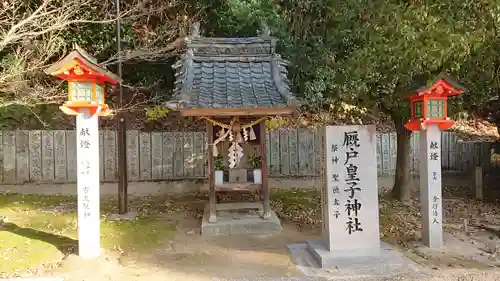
(441, 85)
(80, 59)
(232, 76)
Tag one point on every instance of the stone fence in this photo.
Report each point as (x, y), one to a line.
(50, 155)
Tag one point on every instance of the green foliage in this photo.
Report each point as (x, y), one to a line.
(100, 38)
(361, 52)
(275, 123)
(31, 118)
(11, 114)
(156, 112)
(480, 74)
(238, 17)
(218, 163)
(147, 32)
(383, 44)
(254, 161)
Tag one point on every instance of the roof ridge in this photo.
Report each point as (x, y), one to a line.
(235, 73)
(279, 82)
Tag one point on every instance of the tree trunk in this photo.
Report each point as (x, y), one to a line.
(401, 188)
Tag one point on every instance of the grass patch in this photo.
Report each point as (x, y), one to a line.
(43, 229)
(304, 197)
(399, 223)
(301, 206)
(140, 235)
(40, 230)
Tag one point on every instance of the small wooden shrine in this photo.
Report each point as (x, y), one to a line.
(234, 85)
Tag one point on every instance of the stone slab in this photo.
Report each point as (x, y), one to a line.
(327, 259)
(388, 264)
(239, 206)
(231, 222)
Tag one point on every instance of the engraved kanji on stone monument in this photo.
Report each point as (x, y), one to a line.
(351, 210)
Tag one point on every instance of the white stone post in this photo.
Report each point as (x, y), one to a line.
(88, 184)
(430, 186)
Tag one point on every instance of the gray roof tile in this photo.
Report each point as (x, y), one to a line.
(231, 73)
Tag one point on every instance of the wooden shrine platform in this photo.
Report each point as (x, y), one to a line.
(233, 187)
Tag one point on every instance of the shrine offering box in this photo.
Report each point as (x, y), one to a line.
(238, 175)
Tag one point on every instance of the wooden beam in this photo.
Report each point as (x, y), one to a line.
(233, 187)
(211, 174)
(263, 169)
(236, 111)
(239, 206)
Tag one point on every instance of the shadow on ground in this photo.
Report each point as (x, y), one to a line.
(64, 244)
(148, 248)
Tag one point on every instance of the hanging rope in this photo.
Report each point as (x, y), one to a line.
(228, 126)
(233, 130)
(221, 138)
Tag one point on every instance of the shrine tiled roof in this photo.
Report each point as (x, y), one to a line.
(231, 73)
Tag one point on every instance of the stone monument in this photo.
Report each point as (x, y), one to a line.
(350, 196)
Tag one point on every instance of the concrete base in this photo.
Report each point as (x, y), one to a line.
(233, 222)
(328, 259)
(389, 263)
(130, 216)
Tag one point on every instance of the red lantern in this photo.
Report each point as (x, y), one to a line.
(86, 80)
(429, 104)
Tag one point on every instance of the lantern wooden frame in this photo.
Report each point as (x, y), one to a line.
(442, 88)
(80, 67)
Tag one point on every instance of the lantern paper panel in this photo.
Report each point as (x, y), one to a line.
(435, 109)
(81, 91)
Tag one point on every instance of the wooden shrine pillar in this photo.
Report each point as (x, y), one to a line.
(211, 173)
(263, 166)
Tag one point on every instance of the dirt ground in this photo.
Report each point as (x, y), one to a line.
(471, 252)
(472, 229)
(190, 256)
